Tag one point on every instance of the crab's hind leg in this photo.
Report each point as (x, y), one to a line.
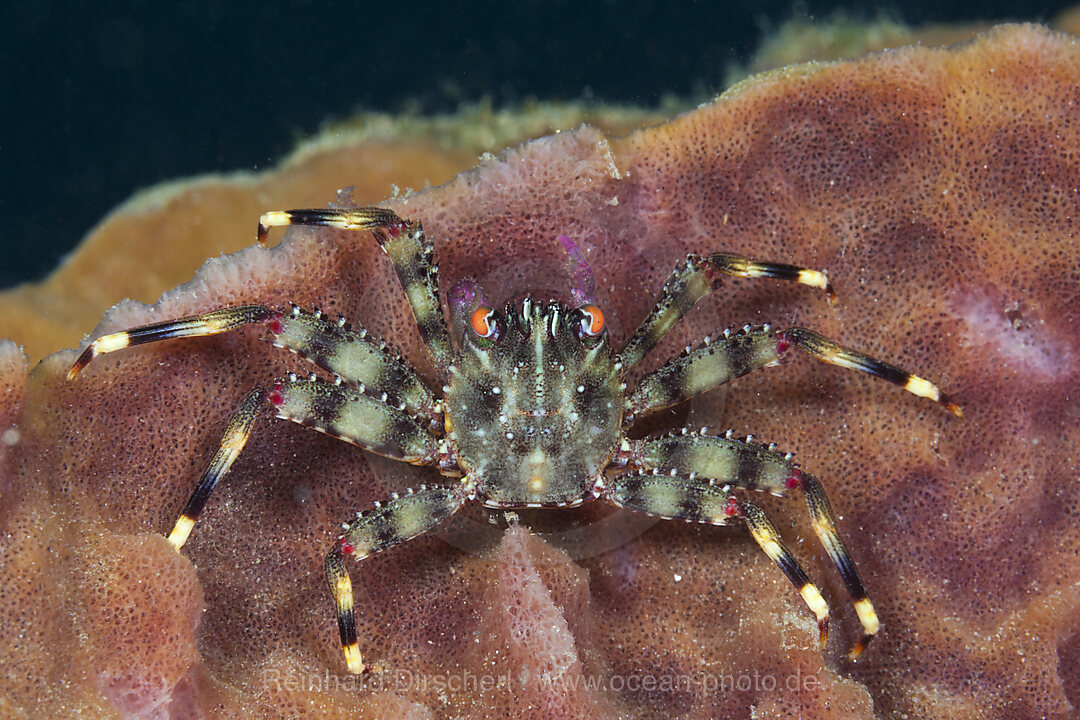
(376, 409)
(740, 463)
(734, 354)
(829, 351)
(408, 248)
(695, 278)
(387, 524)
(695, 499)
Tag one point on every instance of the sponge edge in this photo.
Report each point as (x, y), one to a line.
(562, 647)
(141, 604)
(13, 367)
(538, 590)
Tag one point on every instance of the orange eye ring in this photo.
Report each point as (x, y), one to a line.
(481, 322)
(592, 322)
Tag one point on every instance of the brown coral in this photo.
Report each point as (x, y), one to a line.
(939, 187)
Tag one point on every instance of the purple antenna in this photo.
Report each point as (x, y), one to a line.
(584, 286)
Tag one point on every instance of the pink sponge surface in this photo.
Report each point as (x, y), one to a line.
(939, 188)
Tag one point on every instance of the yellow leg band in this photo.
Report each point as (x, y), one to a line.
(813, 599)
(867, 616)
(180, 531)
(814, 278)
(352, 659)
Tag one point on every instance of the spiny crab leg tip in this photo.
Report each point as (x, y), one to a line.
(858, 648)
(952, 406)
(268, 220)
(926, 389)
(101, 346)
(818, 279)
(82, 361)
(830, 294)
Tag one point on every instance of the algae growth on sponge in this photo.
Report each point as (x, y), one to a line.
(939, 187)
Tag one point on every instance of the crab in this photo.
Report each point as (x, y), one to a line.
(534, 408)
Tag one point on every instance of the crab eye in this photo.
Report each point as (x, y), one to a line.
(592, 320)
(483, 323)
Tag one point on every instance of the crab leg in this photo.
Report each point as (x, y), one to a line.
(233, 441)
(695, 279)
(355, 356)
(344, 413)
(387, 524)
(351, 354)
(336, 410)
(211, 323)
(742, 464)
(691, 499)
(407, 247)
(735, 354)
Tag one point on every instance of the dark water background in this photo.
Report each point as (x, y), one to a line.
(101, 99)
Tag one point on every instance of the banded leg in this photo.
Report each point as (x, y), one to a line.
(691, 499)
(355, 356)
(352, 355)
(232, 442)
(333, 409)
(829, 351)
(407, 247)
(387, 524)
(211, 323)
(346, 414)
(695, 279)
(742, 464)
(735, 354)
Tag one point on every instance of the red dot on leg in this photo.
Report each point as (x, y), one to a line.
(276, 396)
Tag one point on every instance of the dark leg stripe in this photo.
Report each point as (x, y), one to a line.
(716, 362)
(348, 415)
(356, 357)
(407, 247)
(232, 443)
(400, 519)
(211, 323)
